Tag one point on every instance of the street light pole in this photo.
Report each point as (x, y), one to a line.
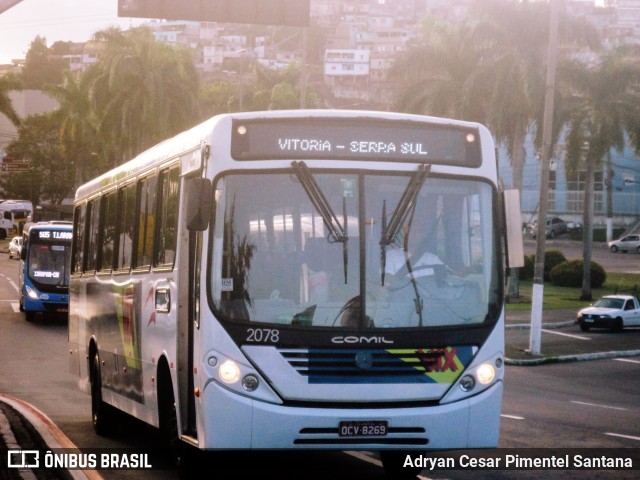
(541, 234)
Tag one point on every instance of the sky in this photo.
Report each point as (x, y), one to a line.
(64, 20)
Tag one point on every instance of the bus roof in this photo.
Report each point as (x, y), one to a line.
(192, 139)
(54, 224)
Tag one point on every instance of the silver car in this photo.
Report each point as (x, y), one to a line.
(15, 247)
(628, 243)
(555, 226)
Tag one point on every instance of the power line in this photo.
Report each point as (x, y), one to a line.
(55, 22)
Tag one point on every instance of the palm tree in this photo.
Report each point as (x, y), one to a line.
(438, 74)
(8, 83)
(78, 128)
(141, 91)
(488, 69)
(604, 108)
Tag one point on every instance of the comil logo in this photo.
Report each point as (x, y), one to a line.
(23, 458)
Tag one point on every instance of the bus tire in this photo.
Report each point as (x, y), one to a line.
(101, 413)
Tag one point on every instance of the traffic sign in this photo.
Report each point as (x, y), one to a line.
(10, 164)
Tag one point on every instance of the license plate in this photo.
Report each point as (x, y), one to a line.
(588, 320)
(363, 428)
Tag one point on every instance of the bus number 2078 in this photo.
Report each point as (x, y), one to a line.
(263, 335)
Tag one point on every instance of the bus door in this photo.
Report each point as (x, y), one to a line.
(195, 215)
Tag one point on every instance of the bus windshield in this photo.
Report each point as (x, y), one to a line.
(47, 263)
(372, 250)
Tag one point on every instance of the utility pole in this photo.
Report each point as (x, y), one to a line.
(541, 234)
(304, 73)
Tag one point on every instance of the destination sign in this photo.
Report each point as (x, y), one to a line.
(359, 139)
(54, 235)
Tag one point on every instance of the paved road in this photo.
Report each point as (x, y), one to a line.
(611, 262)
(562, 405)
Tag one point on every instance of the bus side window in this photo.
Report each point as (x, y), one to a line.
(93, 219)
(146, 221)
(79, 218)
(126, 226)
(108, 229)
(167, 218)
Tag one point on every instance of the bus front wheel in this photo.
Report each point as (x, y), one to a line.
(101, 413)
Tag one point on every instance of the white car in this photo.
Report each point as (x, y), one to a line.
(611, 311)
(628, 243)
(15, 247)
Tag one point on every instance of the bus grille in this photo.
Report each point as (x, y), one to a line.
(422, 365)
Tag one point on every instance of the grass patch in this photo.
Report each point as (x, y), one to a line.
(567, 297)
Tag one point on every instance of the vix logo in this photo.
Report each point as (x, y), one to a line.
(23, 458)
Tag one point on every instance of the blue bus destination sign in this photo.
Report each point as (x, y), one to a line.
(54, 235)
(383, 140)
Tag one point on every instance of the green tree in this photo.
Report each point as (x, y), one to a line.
(7, 84)
(141, 92)
(78, 127)
(439, 73)
(215, 98)
(604, 110)
(266, 88)
(41, 66)
(49, 178)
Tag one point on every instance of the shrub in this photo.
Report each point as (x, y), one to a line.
(569, 274)
(526, 272)
(552, 258)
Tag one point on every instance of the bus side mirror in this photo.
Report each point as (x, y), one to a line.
(23, 253)
(199, 202)
(513, 226)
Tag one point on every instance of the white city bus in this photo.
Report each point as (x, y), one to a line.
(297, 280)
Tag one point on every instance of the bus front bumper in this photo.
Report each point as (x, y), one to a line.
(230, 421)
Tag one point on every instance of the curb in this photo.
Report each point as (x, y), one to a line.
(571, 358)
(50, 433)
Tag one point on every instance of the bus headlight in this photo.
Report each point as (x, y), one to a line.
(229, 371)
(250, 382)
(31, 293)
(486, 373)
(483, 375)
(234, 375)
(467, 383)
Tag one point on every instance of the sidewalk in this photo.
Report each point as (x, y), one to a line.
(24, 428)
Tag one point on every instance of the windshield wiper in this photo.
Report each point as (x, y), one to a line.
(337, 230)
(406, 204)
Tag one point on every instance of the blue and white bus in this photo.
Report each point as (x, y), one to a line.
(44, 272)
(298, 280)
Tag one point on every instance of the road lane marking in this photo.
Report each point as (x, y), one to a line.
(598, 405)
(626, 360)
(579, 337)
(364, 457)
(629, 437)
(11, 282)
(16, 307)
(512, 417)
